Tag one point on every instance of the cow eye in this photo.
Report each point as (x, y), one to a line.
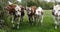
(58, 10)
(15, 11)
(19, 10)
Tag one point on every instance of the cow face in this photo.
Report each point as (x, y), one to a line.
(39, 11)
(18, 10)
(56, 10)
(29, 10)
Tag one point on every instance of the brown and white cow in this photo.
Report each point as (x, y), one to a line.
(16, 12)
(32, 14)
(56, 15)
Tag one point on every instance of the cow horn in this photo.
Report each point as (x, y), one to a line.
(19, 0)
(10, 2)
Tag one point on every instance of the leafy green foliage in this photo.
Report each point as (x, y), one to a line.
(31, 4)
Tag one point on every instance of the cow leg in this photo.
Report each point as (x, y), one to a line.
(58, 21)
(21, 19)
(37, 19)
(29, 19)
(41, 19)
(12, 21)
(32, 20)
(18, 22)
(55, 22)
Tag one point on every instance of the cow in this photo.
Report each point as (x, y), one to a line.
(32, 14)
(39, 15)
(16, 12)
(56, 15)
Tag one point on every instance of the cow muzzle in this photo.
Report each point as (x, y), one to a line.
(56, 14)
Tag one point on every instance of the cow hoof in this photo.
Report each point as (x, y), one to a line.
(13, 26)
(32, 24)
(55, 27)
(17, 27)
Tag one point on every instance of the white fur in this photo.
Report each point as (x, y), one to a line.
(38, 11)
(56, 8)
(18, 12)
(29, 10)
(39, 15)
(18, 9)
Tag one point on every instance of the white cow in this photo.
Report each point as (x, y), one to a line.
(56, 12)
(39, 14)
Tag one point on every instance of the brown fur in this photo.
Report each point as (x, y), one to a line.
(11, 9)
(33, 9)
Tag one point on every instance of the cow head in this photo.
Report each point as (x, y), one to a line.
(10, 8)
(39, 11)
(28, 9)
(56, 10)
(19, 10)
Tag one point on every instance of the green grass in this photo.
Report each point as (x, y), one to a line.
(46, 27)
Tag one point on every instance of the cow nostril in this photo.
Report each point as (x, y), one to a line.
(56, 14)
(59, 10)
(15, 11)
